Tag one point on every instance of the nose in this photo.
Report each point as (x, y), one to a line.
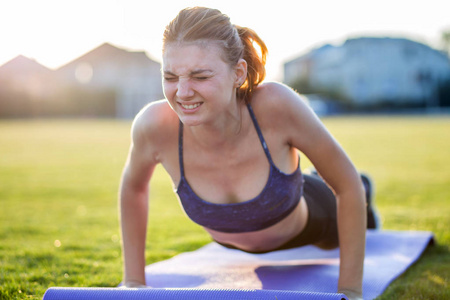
(184, 89)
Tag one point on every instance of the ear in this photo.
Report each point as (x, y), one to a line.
(241, 72)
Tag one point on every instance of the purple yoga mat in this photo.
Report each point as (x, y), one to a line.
(181, 294)
(216, 272)
(307, 269)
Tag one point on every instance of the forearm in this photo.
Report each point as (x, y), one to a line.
(352, 232)
(133, 215)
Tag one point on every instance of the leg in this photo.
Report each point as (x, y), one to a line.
(372, 216)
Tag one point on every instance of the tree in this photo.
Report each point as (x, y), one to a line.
(445, 40)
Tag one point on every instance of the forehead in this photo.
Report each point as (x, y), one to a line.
(179, 57)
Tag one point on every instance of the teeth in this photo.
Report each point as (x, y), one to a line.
(190, 106)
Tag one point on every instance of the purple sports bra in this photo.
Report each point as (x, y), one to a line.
(277, 200)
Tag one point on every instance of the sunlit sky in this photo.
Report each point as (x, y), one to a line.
(53, 32)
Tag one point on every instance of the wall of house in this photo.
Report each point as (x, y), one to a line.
(133, 77)
(370, 71)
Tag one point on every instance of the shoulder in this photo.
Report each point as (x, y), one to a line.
(280, 102)
(154, 114)
(273, 88)
(154, 126)
(287, 113)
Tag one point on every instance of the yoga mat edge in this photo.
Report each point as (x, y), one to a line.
(60, 293)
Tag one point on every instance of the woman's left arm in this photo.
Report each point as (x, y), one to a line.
(307, 133)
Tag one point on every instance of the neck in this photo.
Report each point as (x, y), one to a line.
(223, 131)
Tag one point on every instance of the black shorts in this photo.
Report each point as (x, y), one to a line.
(321, 228)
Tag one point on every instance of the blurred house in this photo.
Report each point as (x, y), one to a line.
(24, 85)
(132, 78)
(25, 74)
(369, 72)
(105, 82)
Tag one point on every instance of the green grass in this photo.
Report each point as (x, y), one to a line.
(58, 200)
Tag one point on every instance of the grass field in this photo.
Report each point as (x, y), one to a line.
(58, 200)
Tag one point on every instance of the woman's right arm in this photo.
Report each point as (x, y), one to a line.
(133, 200)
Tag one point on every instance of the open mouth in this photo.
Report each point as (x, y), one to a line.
(190, 106)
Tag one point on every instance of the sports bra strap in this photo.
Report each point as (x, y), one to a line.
(180, 149)
(260, 135)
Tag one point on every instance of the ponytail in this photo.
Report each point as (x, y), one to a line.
(256, 61)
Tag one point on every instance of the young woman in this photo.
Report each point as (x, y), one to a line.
(230, 145)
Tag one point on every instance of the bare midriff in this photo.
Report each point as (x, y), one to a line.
(268, 238)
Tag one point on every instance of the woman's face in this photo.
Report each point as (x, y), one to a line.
(198, 84)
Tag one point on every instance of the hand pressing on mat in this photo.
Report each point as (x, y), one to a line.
(351, 295)
(134, 285)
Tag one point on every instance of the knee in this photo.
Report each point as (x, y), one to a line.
(327, 245)
(330, 241)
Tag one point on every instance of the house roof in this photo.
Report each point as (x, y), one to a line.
(23, 65)
(108, 52)
(365, 40)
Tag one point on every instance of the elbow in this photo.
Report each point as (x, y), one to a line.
(132, 191)
(353, 194)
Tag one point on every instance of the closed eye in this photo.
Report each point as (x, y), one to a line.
(201, 78)
(170, 79)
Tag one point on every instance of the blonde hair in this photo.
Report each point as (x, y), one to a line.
(207, 24)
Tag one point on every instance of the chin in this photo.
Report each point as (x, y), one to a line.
(190, 121)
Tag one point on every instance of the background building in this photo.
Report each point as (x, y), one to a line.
(105, 82)
(132, 77)
(373, 72)
(24, 87)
